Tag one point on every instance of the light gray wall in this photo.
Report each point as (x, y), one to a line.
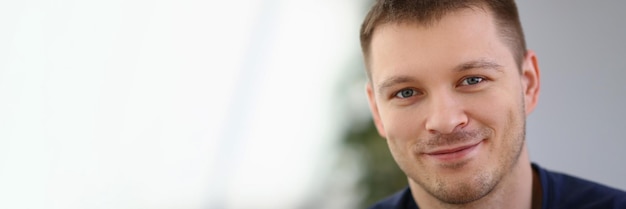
(579, 124)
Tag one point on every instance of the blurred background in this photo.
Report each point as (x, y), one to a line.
(255, 103)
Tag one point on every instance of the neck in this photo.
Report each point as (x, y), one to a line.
(515, 190)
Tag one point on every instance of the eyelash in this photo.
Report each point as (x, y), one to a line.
(399, 94)
(464, 82)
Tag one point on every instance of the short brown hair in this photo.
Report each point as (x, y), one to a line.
(428, 12)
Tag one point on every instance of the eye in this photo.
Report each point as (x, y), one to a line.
(471, 81)
(406, 93)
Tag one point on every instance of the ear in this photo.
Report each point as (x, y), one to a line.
(374, 108)
(530, 81)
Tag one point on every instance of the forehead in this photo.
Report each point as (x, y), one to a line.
(411, 48)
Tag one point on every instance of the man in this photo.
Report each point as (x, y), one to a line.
(450, 86)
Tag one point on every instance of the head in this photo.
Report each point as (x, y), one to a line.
(450, 86)
(429, 12)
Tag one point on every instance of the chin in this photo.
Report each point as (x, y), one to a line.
(463, 192)
(473, 184)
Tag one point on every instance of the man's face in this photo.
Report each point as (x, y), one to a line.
(451, 102)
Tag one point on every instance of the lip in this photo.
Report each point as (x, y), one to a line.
(455, 153)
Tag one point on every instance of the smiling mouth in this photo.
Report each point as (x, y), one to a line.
(453, 154)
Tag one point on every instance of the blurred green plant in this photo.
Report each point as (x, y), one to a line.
(380, 176)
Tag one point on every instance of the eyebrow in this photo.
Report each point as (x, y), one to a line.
(479, 64)
(394, 81)
(474, 64)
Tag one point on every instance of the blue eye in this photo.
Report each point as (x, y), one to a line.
(471, 81)
(406, 93)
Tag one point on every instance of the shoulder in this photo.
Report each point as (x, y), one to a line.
(400, 200)
(565, 191)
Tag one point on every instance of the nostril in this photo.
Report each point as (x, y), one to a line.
(433, 132)
(446, 123)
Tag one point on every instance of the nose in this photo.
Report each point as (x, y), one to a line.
(446, 113)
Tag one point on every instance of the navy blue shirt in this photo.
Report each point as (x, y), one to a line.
(559, 191)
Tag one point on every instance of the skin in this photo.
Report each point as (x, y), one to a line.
(451, 85)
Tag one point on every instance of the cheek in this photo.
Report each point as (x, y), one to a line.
(493, 106)
(402, 124)
(491, 113)
(402, 128)
(500, 111)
